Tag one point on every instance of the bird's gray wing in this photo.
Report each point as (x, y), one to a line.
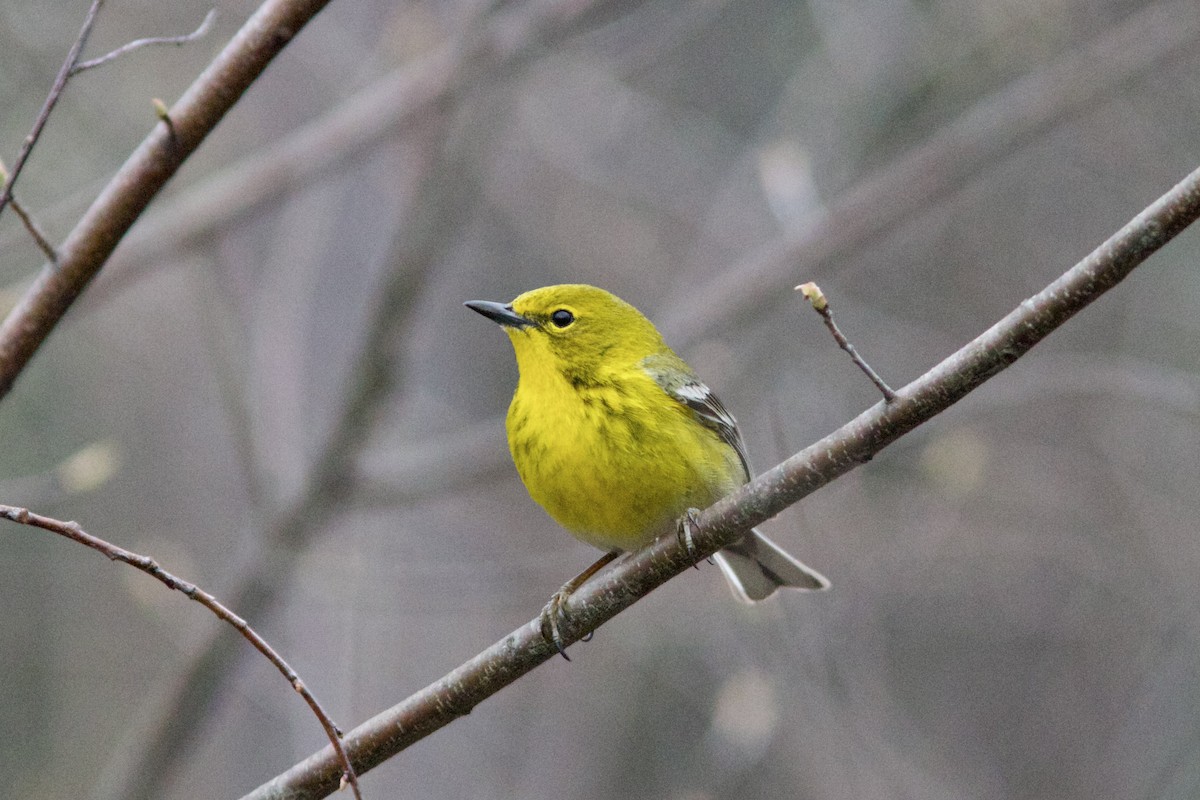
(676, 378)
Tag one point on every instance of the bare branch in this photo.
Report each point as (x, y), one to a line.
(816, 298)
(56, 90)
(387, 107)
(31, 226)
(290, 531)
(136, 44)
(74, 532)
(855, 443)
(71, 67)
(142, 176)
(39, 237)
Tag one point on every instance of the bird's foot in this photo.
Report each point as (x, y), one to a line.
(685, 533)
(554, 619)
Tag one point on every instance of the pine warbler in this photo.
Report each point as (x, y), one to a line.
(618, 439)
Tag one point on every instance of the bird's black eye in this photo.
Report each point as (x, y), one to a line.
(562, 318)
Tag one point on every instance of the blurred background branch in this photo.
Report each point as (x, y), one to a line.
(923, 178)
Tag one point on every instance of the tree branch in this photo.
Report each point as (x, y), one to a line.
(855, 443)
(73, 531)
(137, 44)
(56, 90)
(34, 230)
(142, 176)
(388, 107)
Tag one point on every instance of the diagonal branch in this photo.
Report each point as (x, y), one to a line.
(142, 176)
(855, 443)
(74, 532)
(34, 230)
(499, 42)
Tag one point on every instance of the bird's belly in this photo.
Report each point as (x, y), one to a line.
(618, 483)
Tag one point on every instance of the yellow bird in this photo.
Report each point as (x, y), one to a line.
(618, 439)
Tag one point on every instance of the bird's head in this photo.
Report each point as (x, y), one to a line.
(575, 328)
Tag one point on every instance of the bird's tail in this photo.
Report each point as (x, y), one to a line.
(755, 567)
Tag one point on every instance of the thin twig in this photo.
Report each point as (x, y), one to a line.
(853, 444)
(386, 108)
(74, 532)
(56, 90)
(136, 44)
(72, 66)
(35, 231)
(816, 298)
(143, 175)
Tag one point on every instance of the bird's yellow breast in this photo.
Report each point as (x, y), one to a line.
(614, 459)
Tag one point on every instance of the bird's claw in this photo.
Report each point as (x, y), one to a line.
(687, 524)
(554, 617)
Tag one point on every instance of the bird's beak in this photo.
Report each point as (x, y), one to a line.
(499, 312)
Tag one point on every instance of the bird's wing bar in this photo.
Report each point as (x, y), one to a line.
(678, 380)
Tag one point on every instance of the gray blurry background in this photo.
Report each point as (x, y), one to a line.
(1015, 609)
